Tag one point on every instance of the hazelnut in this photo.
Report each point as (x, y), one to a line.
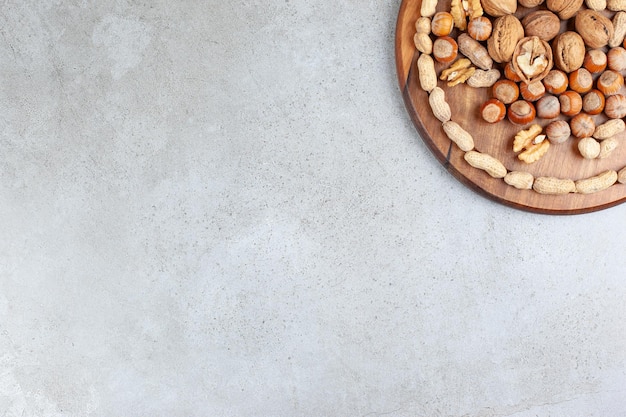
(442, 24)
(593, 102)
(568, 49)
(595, 60)
(556, 81)
(594, 28)
(580, 80)
(564, 8)
(615, 106)
(558, 131)
(445, 49)
(582, 125)
(532, 91)
(532, 59)
(571, 103)
(541, 23)
(610, 82)
(617, 59)
(548, 107)
(510, 74)
(506, 91)
(493, 111)
(521, 112)
(479, 28)
(507, 31)
(589, 148)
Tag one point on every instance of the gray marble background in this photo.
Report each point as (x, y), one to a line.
(217, 208)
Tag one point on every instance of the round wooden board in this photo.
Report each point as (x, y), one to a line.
(562, 160)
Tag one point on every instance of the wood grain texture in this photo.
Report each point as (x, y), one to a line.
(562, 160)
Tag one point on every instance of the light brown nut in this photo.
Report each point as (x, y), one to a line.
(589, 148)
(534, 152)
(497, 8)
(458, 72)
(532, 59)
(596, 183)
(445, 49)
(423, 43)
(594, 28)
(524, 138)
(615, 107)
(621, 176)
(616, 5)
(474, 9)
(458, 135)
(423, 25)
(426, 72)
(553, 185)
(429, 8)
(486, 162)
(441, 24)
(493, 110)
(616, 59)
(582, 125)
(607, 147)
(548, 107)
(619, 29)
(558, 131)
(458, 14)
(564, 8)
(541, 23)
(596, 4)
(530, 3)
(595, 60)
(609, 128)
(477, 53)
(482, 78)
(439, 106)
(507, 31)
(520, 179)
(568, 50)
(480, 28)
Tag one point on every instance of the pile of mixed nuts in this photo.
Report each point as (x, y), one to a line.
(533, 71)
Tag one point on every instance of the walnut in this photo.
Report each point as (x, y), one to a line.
(498, 8)
(568, 50)
(507, 31)
(564, 8)
(532, 59)
(542, 23)
(594, 28)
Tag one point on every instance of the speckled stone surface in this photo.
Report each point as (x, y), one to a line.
(217, 208)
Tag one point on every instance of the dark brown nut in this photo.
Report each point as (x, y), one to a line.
(532, 91)
(568, 50)
(541, 23)
(610, 82)
(556, 82)
(510, 74)
(593, 102)
(548, 107)
(594, 28)
(571, 103)
(445, 49)
(558, 131)
(580, 80)
(615, 106)
(493, 111)
(582, 125)
(595, 61)
(506, 91)
(521, 112)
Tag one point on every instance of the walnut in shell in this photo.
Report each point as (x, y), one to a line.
(594, 28)
(507, 31)
(532, 59)
(542, 23)
(498, 8)
(564, 8)
(568, 50)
